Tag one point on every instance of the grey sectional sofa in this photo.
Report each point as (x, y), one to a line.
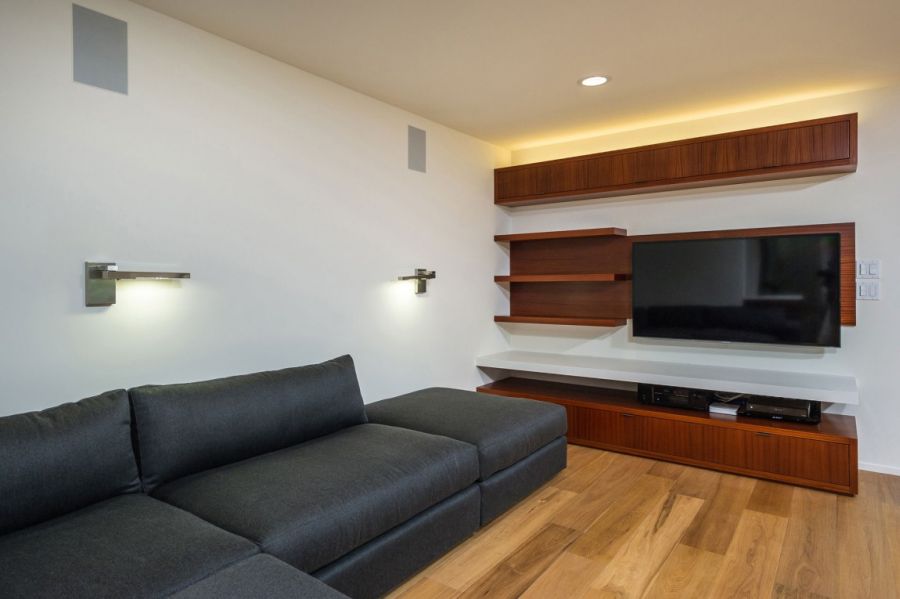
(275, 484)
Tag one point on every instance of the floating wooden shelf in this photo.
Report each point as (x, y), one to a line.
(586, 278)
(821, 456)
(605, 232)
(569, 277)
(802, 149)
(586, 322)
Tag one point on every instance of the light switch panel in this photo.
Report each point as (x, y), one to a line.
(868, 289)
(868, 269)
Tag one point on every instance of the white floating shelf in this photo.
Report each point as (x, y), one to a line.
(831, 388)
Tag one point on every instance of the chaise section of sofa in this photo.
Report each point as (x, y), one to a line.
(315, 502)
(73, 522)
(521, 443)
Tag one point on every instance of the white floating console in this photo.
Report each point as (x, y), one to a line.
(831, 388)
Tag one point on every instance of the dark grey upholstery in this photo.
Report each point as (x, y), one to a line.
(504, 429)
(183, 429)
(65, 458)
(312, 503)
(382, 564)
(128, 546)
(509, 486)
(263, 577)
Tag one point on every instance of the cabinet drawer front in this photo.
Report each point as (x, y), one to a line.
(598, 426)
(674, 438)
(621, 429)
(802, 458)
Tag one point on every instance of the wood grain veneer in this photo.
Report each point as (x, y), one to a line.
(802, 149)
(584, 322)
(821, 456)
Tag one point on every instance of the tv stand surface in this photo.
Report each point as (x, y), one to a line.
(821, 456)
(830, 388)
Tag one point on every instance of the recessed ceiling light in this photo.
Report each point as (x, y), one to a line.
(594, 80)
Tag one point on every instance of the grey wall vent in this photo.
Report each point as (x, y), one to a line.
(100, 49)
(416, 148)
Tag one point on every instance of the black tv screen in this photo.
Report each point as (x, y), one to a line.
(783, 289)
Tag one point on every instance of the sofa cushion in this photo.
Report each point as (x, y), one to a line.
(65, 458)
(187, 428)
(505, 429)
(127, 546)
(312, 503)
(259, 576)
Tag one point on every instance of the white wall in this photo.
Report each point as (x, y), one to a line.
(287, 197)
(870, 197)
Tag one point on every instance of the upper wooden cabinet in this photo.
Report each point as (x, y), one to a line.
(801, 149)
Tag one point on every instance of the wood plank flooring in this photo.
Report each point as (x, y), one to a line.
(612, 525)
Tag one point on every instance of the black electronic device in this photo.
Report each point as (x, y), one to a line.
(756, 406)
(776, 408)
(781, 289)
(675, 397)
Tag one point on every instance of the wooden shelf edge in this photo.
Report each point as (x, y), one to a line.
(586, 278)
(586, 322)
(833, 167)
(604, 232)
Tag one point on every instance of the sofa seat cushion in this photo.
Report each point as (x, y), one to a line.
(312, 503)
(504, 429)
(259, 576)
(127, 546)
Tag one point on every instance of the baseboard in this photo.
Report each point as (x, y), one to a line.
(870, 467)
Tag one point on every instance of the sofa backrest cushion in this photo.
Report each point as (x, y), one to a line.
(187, 428)
(65, 458)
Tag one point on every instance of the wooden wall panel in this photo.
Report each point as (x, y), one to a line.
(800, 149)
(584, 258)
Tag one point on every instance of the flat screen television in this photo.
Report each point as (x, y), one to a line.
(783, 289)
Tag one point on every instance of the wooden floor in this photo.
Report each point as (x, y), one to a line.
(612, 525)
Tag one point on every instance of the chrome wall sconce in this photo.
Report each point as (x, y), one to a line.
(100, 281)
(422, 275)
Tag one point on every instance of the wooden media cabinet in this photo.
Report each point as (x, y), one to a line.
(821, 456)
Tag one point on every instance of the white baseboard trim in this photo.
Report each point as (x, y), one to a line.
(870, 467)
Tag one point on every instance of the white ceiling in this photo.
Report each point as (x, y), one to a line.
(506, 71)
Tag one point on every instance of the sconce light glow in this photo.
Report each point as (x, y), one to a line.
(100, 281)
(421, 277)
(594, 80)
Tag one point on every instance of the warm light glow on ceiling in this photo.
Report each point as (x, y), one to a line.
(594, 80)
(713, 111)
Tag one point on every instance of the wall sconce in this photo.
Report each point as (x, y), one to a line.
(421, 276)
(100, 281)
